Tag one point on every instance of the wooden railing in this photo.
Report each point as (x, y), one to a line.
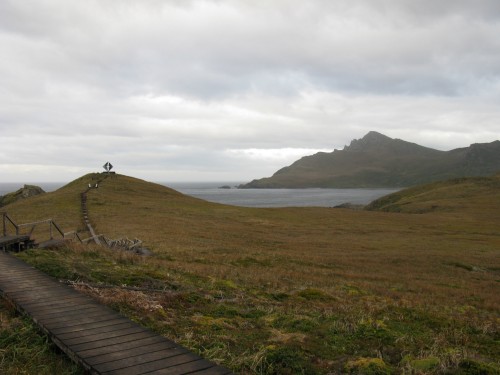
(52, 226)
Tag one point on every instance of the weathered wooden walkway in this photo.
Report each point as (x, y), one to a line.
(95, 336)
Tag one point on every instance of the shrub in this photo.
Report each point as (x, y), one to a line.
(368, 366)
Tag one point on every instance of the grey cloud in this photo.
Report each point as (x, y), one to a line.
(210, 48)
(174, 84)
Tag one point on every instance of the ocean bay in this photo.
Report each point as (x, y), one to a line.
(278, 197)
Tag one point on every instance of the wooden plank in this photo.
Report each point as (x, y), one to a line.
(131, 352)
(17, 285)
(49, 321)
(90, 332)
(44, 289)
(15, 267)
(111, 341)
(90, 308)
(82, 320)
(11, 276)
(119, 347)
(51, 302)
(49, 309)
(77, 305)
(216, 370)
(172, 364)
(92, 325)
(45, 298)
(103, 335)
(69, 310)
(26, 287)
(38, 287)
(139, 359)
(12, 271)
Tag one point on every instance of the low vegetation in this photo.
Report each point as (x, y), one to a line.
(294, 290)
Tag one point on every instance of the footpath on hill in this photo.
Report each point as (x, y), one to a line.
(121, 243)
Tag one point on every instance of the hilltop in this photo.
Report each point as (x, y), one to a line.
(293, 290)
(379, 161)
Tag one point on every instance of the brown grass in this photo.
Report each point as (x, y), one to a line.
(327, 286)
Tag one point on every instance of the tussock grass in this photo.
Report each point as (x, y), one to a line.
(295, 290)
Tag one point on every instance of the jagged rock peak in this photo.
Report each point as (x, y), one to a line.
(30, 191)
(371, 139)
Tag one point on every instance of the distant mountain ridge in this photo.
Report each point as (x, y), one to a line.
(379, 161)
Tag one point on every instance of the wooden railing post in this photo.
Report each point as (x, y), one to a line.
(5, 218)
(57, 228)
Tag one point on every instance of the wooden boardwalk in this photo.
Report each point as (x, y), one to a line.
(95, 336)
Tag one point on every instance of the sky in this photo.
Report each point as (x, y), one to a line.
(232, 90)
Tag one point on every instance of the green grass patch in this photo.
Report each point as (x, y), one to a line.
(474, 367)
(368, 366)
(312, 294)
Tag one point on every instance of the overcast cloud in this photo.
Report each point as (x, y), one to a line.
(221, 90)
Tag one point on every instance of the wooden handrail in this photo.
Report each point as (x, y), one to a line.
(6, 218)
(51, 223)
(34, 223)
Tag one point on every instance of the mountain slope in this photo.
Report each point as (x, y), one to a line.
(379, 161)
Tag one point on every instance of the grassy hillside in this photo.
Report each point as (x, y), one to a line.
(295, 290)
(473, 194)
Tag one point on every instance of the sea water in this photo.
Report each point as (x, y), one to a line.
(278, 197)
(212, 192)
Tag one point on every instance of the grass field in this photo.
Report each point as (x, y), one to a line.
(296, 290)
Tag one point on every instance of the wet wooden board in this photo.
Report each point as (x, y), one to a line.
(93, 335)
(19, 240)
